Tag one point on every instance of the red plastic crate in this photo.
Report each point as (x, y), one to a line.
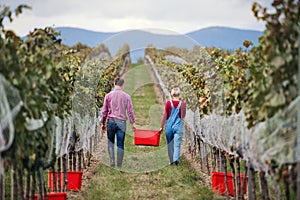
(146, 137)
(54, 196)
(74, 180)
(218, 183)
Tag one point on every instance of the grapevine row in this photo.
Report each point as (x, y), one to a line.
(49, 99)
(246, 100)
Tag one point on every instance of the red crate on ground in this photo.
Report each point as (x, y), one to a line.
(74, 180)
(54, 196)
(146, 137)
(218, 183)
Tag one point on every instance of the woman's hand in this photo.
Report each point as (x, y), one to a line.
(161, 130)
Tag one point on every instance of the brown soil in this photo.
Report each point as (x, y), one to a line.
(87, 174)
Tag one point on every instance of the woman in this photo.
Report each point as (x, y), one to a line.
(174, 112)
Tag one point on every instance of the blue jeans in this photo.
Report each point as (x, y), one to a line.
(174, 139)
(116, 128)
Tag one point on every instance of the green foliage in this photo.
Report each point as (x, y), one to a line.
(232, 69)
(274, 62)
(80, 50)
(33, 70)
(45, 74)
(108, 73)
(7, 13)
(261, 80)
(30, 67)
(187, 76)
(98, 51)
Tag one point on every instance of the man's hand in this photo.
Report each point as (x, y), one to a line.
(133, 127)
(103, 127)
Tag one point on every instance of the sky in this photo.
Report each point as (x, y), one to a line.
(176, 16)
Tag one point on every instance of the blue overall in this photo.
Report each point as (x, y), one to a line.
(174, 132)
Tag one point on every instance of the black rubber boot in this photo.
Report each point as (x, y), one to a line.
(120, 155)
(111, 153)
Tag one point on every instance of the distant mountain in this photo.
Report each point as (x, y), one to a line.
(224, 37)
(71, 36)
(138, 40)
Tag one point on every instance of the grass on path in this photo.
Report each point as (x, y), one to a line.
(171, 182)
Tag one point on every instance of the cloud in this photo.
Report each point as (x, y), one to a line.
(118, 15)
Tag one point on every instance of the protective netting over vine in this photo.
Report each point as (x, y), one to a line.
(273, 142)
(10, 105)
(72, 133)
(80, 129)
(76, 132)
(265, 145)
(71, 137)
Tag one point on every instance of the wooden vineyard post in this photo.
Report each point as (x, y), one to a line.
(74, 161)
(2, 185)
(200, 154)
(33, 184)
(58, 174)
(214, 158)
(298, 121)
(293, 175)
(83, 161)
(244, 179)
(264, 186)
(211, 157)
(70, 160)
(91, 148)
(206, 159)
(65, 171)
(238, 180)
(27, 189)
(224, 163)
(52, 176)
(88, 155)
(231, 161)
(20, 183)
(193, 147)
(286, 173)
(80, 153)
(71, 150)
(14, 183)
(220, 160)
(252, 184)
(41, 182)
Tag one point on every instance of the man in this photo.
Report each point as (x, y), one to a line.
(116, 104)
